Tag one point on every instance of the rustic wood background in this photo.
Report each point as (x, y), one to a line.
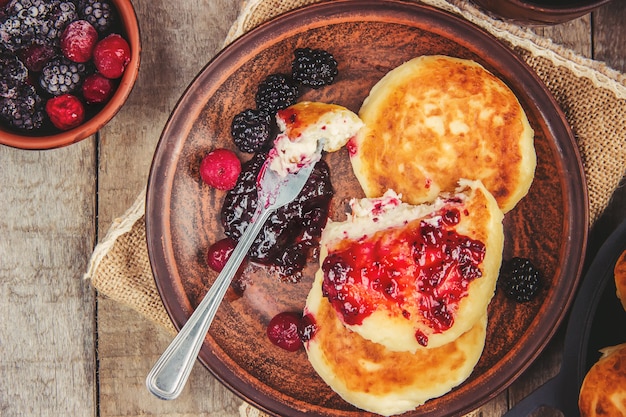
(66, 351)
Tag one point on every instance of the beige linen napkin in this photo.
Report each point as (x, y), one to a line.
(592, 96)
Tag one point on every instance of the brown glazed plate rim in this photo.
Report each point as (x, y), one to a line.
(173, 194)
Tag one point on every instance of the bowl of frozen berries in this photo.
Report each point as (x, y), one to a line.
(66, 68)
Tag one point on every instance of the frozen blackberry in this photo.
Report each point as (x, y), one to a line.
(25, 111)
(276, 92)
(313, 67)
(519, 279)
(13, 74)
(35, 22)
(101, 14)
(251, 130)
(61, 76)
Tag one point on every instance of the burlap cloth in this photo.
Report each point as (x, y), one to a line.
(592, 96)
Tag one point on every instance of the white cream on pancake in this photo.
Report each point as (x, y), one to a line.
(302, 126)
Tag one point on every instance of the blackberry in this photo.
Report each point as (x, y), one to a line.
(35, 22)
(61, 76)
(276, 92)
(101, 14)
(13, 74)
(251, 130)
(313, 67)
(520, 279)
(25, 111)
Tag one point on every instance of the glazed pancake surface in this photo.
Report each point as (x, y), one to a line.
(603, 392)
(413, 277)
(436, 119)
(374, 379)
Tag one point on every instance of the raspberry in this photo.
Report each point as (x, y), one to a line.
(111, 56)
(220, 169)
(78, 41)
(313, 67)
(284, 331)
(276, 92)
(65, 112)
(97, 89)
(219, 252)
(251, 130)
(36, 56)
(519, 279)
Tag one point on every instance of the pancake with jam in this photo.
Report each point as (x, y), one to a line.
(603, 391)
(436, 119)
(373, 378)
(413, 277)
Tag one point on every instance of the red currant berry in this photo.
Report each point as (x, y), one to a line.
(219, 252)
(220, 169)
(111, 56)
(65, 111)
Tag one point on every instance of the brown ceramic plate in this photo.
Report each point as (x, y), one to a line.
(368, 38)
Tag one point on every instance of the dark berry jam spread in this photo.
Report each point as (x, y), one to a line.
(423, 268)
(291, 232)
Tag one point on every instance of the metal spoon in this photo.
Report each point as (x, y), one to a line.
(169, 374)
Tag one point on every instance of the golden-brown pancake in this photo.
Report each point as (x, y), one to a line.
(620, 278)
(436, 119)
(371, 377)
(411, 277)
(603, 392)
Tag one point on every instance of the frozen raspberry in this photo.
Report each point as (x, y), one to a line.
(220, 169)
(97, 89)
(111, 56)
(78, 41)
(65, 111)
(284, 331)
(219, 252)
(36, 56)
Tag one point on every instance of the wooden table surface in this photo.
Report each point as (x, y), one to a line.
(64, 350)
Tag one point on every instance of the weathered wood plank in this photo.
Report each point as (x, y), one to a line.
(47, 329)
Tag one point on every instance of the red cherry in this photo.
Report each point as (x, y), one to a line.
(284, 331)
(220, 169)
(219, 252)
(111, 56)
(65, 111)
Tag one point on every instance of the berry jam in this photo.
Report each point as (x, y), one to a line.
(291, 232)
(420, 271)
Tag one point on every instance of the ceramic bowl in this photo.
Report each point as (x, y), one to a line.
(542, 12)
(48, 138)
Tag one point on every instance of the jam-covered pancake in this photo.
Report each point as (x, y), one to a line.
(375, 379)
(414, 277)
(620, 278)
(436, 119)
(603, 392)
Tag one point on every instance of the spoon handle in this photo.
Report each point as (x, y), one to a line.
(169, 374)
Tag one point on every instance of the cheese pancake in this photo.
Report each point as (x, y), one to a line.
(371, 377)
(414, 277)
(619, 272)
(436, 119)
(603, 392)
